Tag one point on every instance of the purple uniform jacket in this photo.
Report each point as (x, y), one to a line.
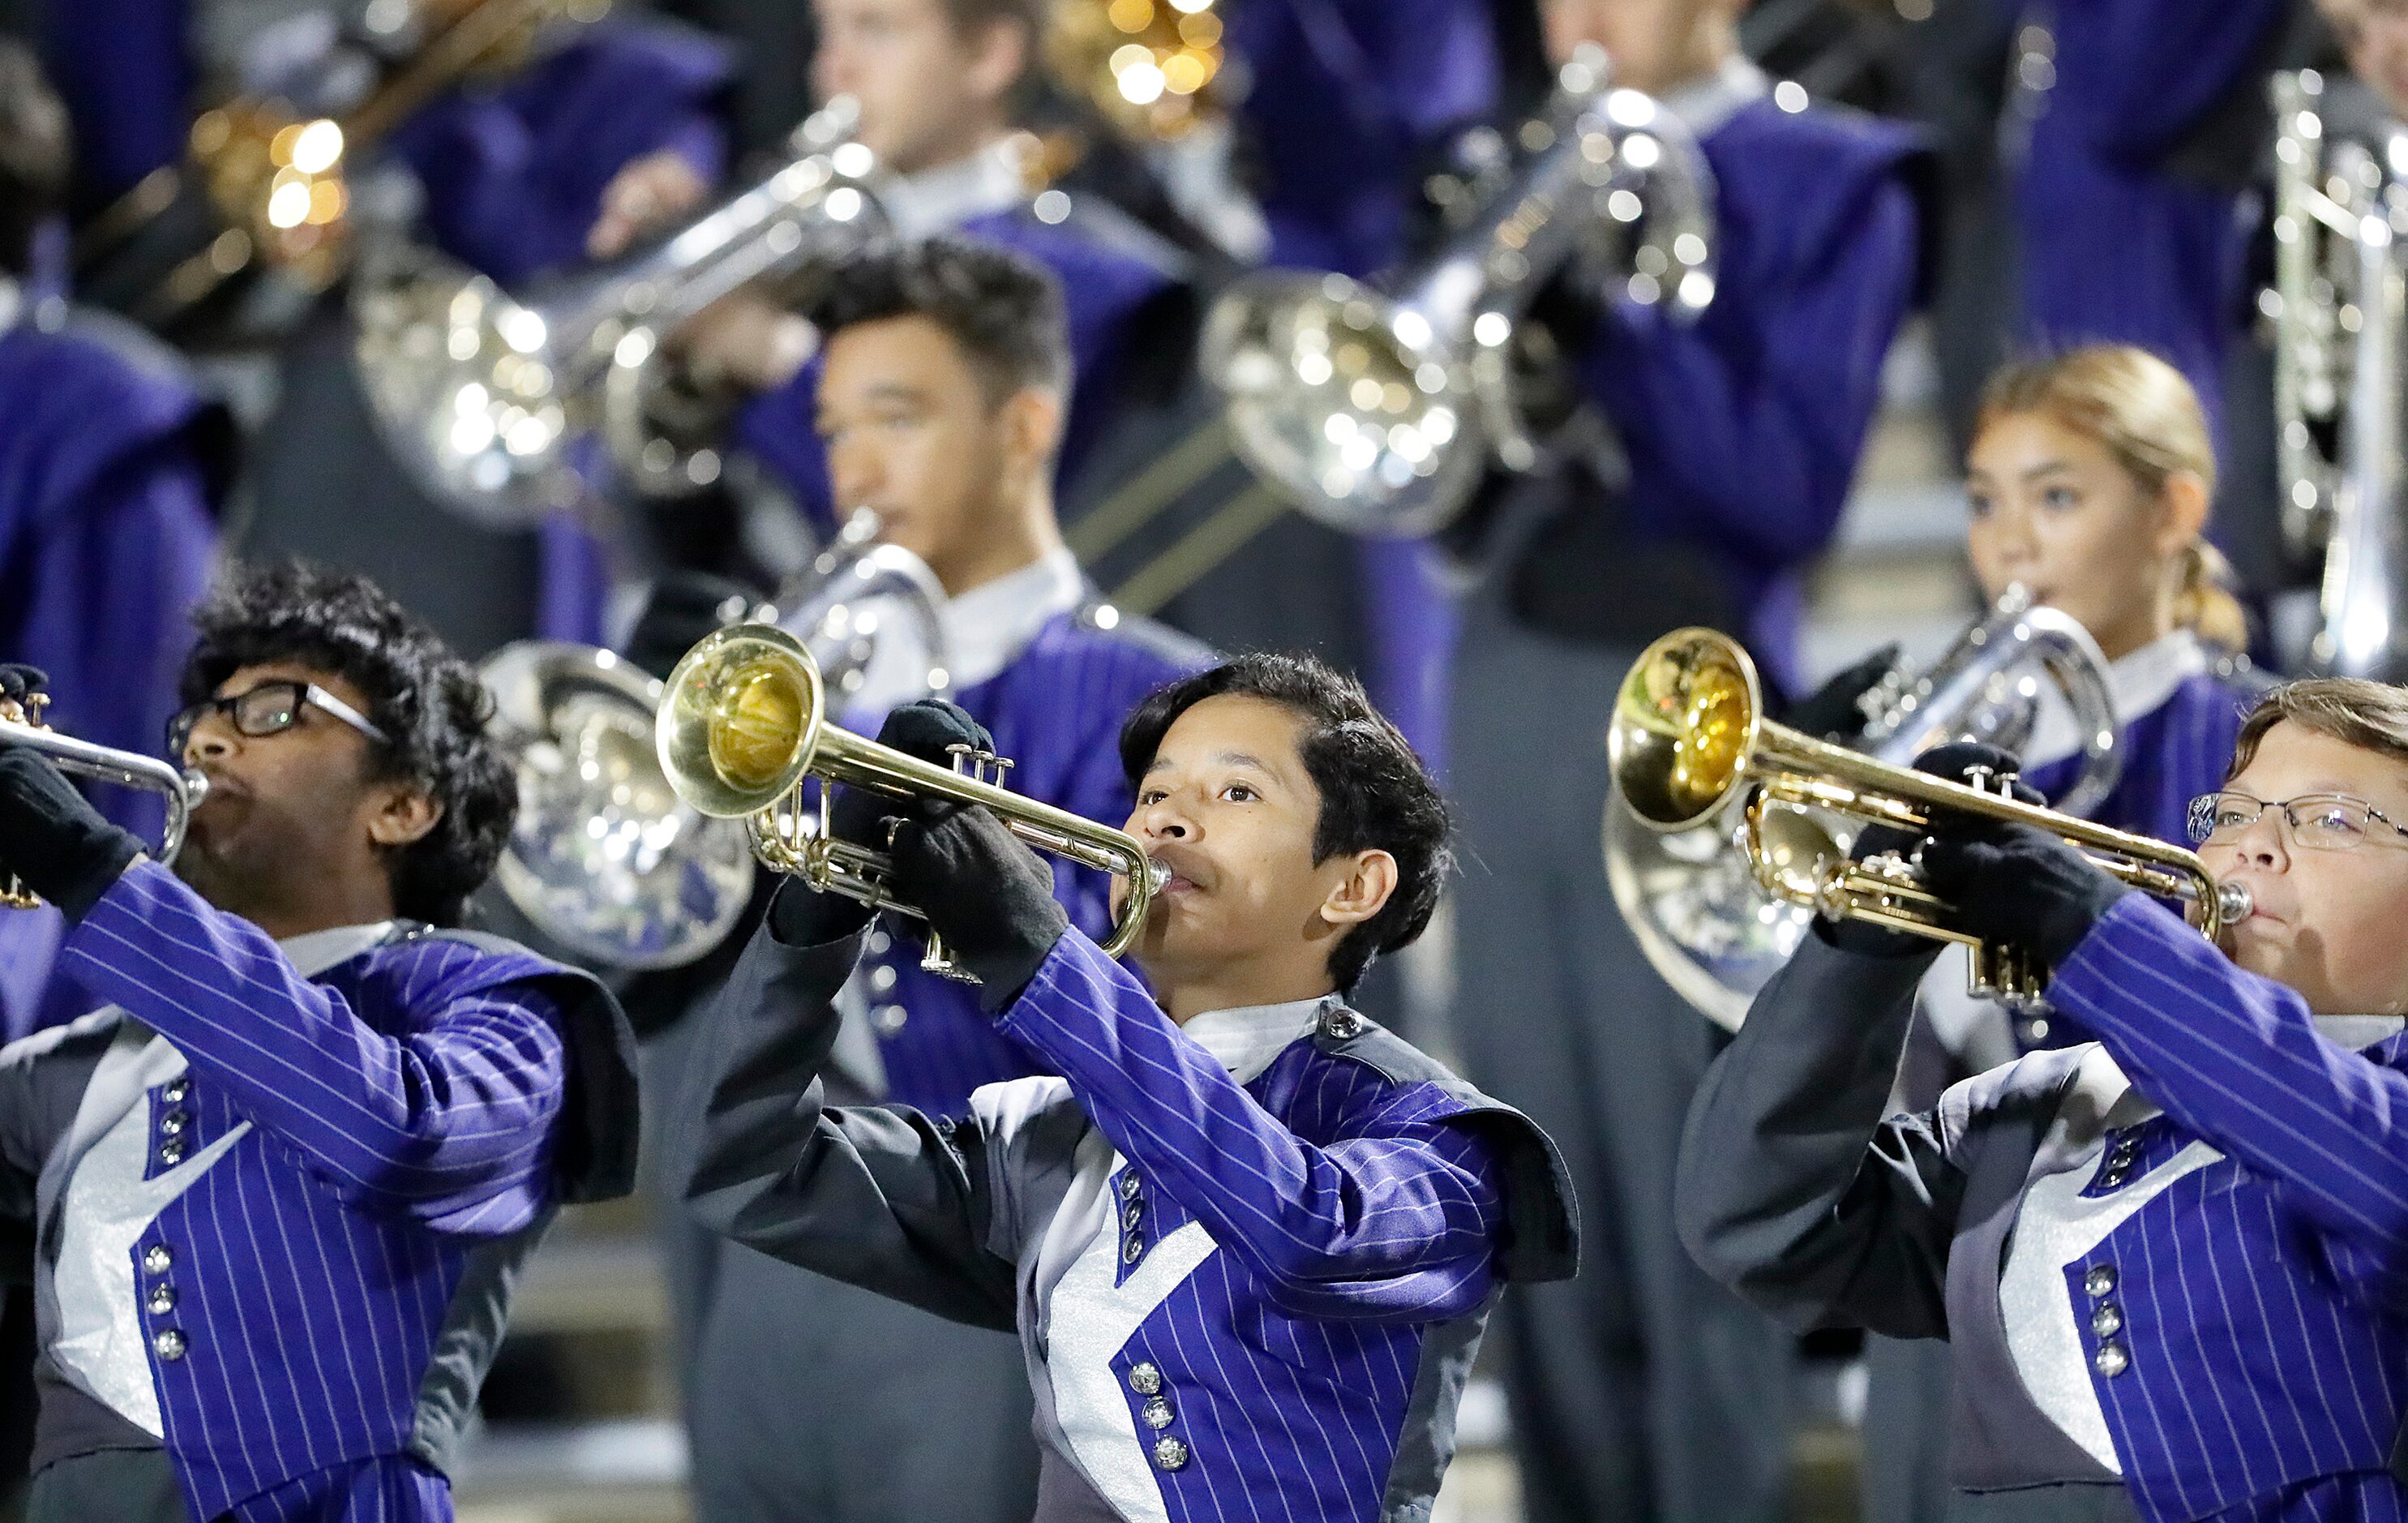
(1743, 428)
(2171, 755)
(364, 1159)
(1348, 97)
(111, 465)
(2115, 246)
(1305, 1261)
(1109, 285)
(1057, 711)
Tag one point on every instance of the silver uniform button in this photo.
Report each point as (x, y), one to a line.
(2110, 1360)
(1145, 1379)
(1343, 1024)
(1132, 1215)
(881, 978)
(2100, 1280)
(162, 1301)
(171, 1152)
(1131, 1187)
(2107, 1321)
(1156, 1413)
(172, 1124)
(889, 1019)
(2112, 1178)
(1133, 1250)
(1170, 1454)
(877, 942)
(170, 1344)
(174, 1094)
(156, 1258)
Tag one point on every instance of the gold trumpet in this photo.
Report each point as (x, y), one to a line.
(1689, 735)
(20, 724)
(745, 721)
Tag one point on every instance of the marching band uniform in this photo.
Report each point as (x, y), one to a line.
(2185, 1313)
(275, 1198)
(111, 467)
(1249, 1260)
(2127, 235)
(1125, 292)
(1051, 674)
(1644, 1388)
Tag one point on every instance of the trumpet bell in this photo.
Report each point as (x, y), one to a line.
(741, 721)
(1684, 726)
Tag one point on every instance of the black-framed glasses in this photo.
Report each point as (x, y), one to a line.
(2320, 822)
(267, 709)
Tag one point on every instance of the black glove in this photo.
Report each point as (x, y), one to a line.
(18, 682)
(52, 837)
(1956, 761)
(684, 608)
(988, 897)
(799, 916)
(1830, 712)
(2017, 885)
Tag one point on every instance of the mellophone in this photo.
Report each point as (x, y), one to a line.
(1689, 739)
(20, 724)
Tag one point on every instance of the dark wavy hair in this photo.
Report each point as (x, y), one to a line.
(1375, 793)
(1004, 311)
(419, 693)
(33, 153)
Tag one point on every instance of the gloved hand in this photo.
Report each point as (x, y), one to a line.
(52, 837)
(988, 897)
(1830, 712)
(1956, 762)
(799, 916)
(18, 682)
(684, 608)
(2018, 885)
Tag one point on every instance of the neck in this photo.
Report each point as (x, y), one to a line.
(296, 909)
(959, 146)
(1715, 45)
(1235, 988)
(2144, 625)
(1019, 541)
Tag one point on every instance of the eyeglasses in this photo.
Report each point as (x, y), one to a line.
(2319, 822)
(268, 710)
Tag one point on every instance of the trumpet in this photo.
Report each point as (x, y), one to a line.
(1689, 738)
(20, 724)
(1691, 898)
(745, 724)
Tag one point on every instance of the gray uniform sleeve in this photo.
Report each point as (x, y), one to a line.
(1792, 1187)
(881, 1197)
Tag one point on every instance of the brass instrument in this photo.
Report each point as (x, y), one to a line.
(838, 607)
(2339, 314)
(1147, 66)
(1689, 738)
(1691, 898)
(745, 724)
(272, 184)
(483, 396)
(604, 858)
(20, 724)
(1376, 411)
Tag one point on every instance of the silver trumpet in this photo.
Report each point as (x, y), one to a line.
(605, 859)
(1693, 896)
(484, 395)
(1375, 410)
(2339, 314)
(20, 724)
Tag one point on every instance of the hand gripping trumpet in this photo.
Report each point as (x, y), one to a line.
(1689, 736)
(20, 724)
(745, 721)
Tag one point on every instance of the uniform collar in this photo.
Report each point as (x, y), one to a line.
(1705, 104)
(950, 195)
(989, 625)
(2141, 682)
(1247, 1038)
(314, 952)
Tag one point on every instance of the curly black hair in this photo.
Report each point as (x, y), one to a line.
(1375, 793)
(33, 153)
(1005, 312)
(419, 693)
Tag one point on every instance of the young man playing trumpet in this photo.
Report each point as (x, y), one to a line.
(1249, 1239)
(272, 1196)
(2170, 1261)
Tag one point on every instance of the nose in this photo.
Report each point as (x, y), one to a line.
(855, 472)
(2262, 844)
(212, 740)
(1165, 819)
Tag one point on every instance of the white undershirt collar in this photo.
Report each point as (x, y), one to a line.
(314, 952)
(2141, 681)
(1703, 105)
(946, 197)
(1247, 1038)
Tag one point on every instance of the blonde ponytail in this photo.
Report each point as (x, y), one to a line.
(2204, 604)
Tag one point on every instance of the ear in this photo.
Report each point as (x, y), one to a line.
(998, 57)
(1032, 428)
(2182, 512)
(1363, 891)
(400, 815)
